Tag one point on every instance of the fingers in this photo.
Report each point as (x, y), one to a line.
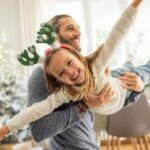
(129, 78)
(127, 87)
(108, 97)
(131, 81)
(105, 96)
(128, 75)
(136, 86)
(128, 82)
(104, 91)
(100, 99)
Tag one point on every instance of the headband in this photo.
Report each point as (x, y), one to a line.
(46, 35)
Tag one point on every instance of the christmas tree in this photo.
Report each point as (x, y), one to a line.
(13, 93)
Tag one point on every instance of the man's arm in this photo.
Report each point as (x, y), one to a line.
(142, 71)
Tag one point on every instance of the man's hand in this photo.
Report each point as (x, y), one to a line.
(132, 81)
(100, 99)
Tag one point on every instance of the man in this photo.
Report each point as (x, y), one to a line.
(68, 129)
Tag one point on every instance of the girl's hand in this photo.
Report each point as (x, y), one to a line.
(136, 3)
(3, 131)
(131, 81)
(100, 99)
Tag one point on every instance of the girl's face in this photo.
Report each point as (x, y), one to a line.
(67, 68)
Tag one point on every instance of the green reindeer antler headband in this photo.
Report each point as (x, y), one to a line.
(25, 59)
(49, 31)
(47, 35)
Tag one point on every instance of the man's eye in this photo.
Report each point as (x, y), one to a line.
(70, 29)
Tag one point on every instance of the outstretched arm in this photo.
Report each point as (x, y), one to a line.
(115, 37)
(38, 110)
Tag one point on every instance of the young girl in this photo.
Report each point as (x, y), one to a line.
(71, 77)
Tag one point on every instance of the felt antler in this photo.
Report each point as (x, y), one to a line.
(48, 31)
(46, 35)
(25, 59)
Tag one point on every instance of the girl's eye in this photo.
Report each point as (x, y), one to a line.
(70, 62)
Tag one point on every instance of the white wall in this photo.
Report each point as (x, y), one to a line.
(10, 22)
(10, 30)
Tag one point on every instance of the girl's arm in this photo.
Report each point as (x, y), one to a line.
(116, 36)
(36, 111)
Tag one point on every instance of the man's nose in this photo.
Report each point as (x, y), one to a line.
(77, 31)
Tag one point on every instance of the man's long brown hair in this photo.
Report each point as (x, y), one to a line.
(55, 21)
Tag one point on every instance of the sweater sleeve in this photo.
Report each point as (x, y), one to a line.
(114, 39)
(36, 111)
(59, 120)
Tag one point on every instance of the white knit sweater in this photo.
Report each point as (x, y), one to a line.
(114, 39)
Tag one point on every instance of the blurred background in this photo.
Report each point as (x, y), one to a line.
(20, 20)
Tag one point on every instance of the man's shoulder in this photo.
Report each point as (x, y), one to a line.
(37, 88)
(37, 76)
(38, 72)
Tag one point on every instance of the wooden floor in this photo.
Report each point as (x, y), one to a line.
(123, 147)
(138, 143)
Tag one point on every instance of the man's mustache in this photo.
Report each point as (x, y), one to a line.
(68, 41)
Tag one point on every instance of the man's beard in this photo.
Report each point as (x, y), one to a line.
(68, 41)
(63, 40)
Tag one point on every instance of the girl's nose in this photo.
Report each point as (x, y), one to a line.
(70, 71)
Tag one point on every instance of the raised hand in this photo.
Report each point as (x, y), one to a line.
(25, 59)
(136, 3)
(46, 34)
